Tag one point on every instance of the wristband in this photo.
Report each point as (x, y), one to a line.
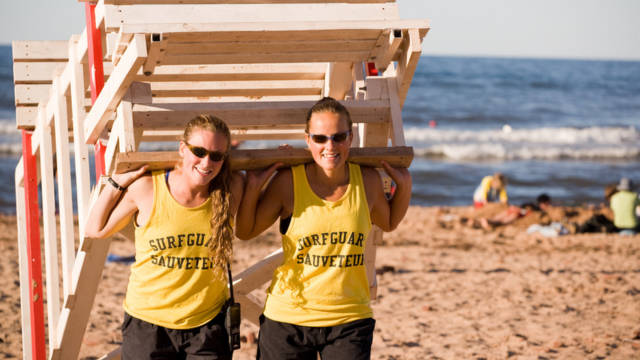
(115, 184)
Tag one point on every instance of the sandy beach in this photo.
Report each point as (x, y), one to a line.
(446, 291)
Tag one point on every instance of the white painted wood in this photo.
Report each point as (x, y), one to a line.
(375, 135)
(65, 201)
(23, 261)
(284, 46)
(115, 16)
(49, 229)
(82, 48)
(81, 152)
(37, 135)
(358, 81)
(127, 136)
(112, 146)
(229, 99)
(411, 50)
(115, 88)
(157, 49)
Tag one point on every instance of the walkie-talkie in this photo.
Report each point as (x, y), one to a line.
(232, 318)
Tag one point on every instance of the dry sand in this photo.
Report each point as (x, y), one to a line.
(446, 291)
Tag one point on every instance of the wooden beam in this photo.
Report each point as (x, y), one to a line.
(40, 51)
(176, 116)
(220, 47)
(261, 159)
(252, 307)
(388, 50)
(26, 117)
(116, 16)
(23, 260)
(338, 81)
(276, 31)
(236, 88)
(115, 88)
(35, 72)
(157, 49)
(239, 72)
(258, 274)
(146, 2)
(31, 94)
(266, 58)
(411, 50)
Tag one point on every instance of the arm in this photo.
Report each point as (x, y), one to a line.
(387, 214)
(115, 208)
(237, 190)
(268, 205)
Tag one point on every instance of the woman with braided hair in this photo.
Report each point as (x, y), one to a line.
(183, 241)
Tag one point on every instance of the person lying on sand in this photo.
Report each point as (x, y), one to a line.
(512, 213)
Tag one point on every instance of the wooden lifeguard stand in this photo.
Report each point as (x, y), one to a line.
(141, 70)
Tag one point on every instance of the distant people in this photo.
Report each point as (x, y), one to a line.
(624, 204)
(602, 222)
(492, 189)
(512, 213)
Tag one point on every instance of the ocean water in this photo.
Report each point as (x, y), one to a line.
(565, 128)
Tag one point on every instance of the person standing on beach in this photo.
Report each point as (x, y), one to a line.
(492, 188)
(183, 241)
(319, 300)
(624, 204)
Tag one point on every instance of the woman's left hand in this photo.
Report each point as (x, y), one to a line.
(400, 176)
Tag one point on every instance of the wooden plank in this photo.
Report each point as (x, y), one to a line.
(276, 31)
(233, 47)
(146, 2)
(23, 260)
(116, 16)
(236, 88)
(370, 250)
(267, 58)
(396, 131)
(359, 87)
(176, 116)
(388, 50)
(112, 145)
(261, 159)
(129, 137)
(114, 355)
(81, 152)
(26, 117)
(284, 132)
(382, 39)
(338, 80)
(31, 94)
(375, 135)
(35, 72)
(49, 229)
(157, 49)
(239, 72)
(40, 51)
(251, 308)
(257, 274)
(115, 88)
(65, 201)
(411, 50)
(230, 99)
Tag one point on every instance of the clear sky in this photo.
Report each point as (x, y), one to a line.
(582, 29)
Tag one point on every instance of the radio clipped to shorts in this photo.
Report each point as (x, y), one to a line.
(232, 317)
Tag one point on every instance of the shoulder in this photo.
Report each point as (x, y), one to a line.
(141, 189)
(237, 178)
(371, 178)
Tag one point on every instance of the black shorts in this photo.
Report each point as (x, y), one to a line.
(142, 340)
(283, 341)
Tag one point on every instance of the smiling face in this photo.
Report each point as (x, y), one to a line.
(202, 170)
(329, 155)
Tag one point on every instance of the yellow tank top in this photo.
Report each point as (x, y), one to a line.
(172, 283)
(322, 280)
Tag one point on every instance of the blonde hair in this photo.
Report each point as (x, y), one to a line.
(221, 244)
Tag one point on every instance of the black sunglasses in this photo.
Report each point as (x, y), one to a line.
(202, 152)
(321, 139)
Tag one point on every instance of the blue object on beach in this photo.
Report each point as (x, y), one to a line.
(627, 232)
(127, 260)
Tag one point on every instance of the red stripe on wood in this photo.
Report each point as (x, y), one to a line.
(36, 289)
(96, 66)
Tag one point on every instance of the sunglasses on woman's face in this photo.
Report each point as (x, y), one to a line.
(202, 152)
(321, 139)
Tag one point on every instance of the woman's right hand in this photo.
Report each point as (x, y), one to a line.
(125, 179)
